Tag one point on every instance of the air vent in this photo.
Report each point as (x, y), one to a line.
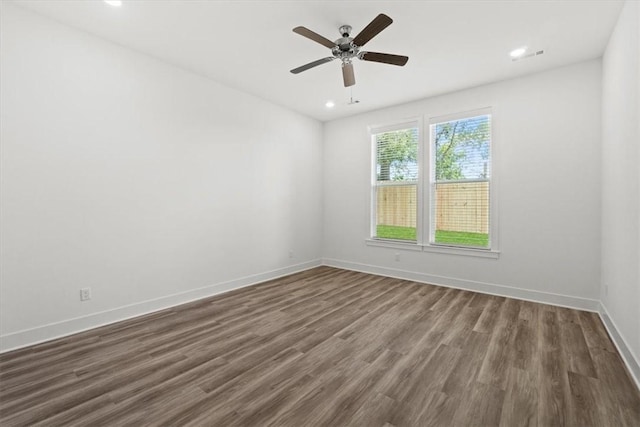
(529, 55)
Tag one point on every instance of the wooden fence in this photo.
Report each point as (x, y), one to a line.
(459, 206)
(396, 205)
(463, 206)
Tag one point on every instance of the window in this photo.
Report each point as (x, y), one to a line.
(395, 182)
(460, 181)
(442, 181)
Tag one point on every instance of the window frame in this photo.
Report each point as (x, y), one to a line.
(429, 237)
(424, 206)
(390, 127)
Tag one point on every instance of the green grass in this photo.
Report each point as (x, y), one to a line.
(462, 238)
(396, 232)
(445, 237)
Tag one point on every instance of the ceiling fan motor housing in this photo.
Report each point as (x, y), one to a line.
(345, 50)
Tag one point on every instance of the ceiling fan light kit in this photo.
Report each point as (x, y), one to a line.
(346, 48)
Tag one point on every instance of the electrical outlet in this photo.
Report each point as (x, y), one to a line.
(85, 294)
(290, 254)
(397, 256)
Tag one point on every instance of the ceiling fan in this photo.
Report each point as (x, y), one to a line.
(346, 48)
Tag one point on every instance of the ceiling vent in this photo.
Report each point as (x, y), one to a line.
(529, 55)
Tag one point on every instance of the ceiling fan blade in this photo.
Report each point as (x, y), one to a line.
(378, 24)
(347, 74)
(314, 36)
(385, 58)
(312, 64)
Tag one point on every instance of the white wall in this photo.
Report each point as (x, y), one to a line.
(620, 291)
(154, 186)
(140, 180)
(547, 136)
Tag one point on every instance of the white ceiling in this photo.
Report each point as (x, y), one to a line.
(249, 45)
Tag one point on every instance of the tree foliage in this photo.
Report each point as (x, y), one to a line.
(453, 141)
(397, 155)
(397, 151)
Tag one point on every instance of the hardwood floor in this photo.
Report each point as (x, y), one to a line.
(329, 347)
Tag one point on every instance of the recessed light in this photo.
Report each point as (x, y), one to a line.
(116, 3)
(330, 104)
(517, 53)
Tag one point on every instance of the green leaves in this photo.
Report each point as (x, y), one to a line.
(462, 148)
(397, 155)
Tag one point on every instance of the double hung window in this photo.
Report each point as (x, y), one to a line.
(434, 190)
(395, 188)
(460, 173)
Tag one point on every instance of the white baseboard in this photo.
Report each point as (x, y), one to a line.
(64, 328)
(67, 327)
(633, 365)
(471, 285)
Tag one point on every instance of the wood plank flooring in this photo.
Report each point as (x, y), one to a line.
(329, 347)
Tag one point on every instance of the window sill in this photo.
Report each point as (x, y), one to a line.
(410, 246)
(481, 253)
(473, 252)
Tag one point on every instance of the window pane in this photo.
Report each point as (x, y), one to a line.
(462, 149)
(396, 202)
(462, 213)
(461, 186)
(397, 155)
(396, 212)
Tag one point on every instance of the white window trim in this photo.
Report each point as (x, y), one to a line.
(396, 244)
(424, 189)
(390, 127)
(447, 250)
(493, 250)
